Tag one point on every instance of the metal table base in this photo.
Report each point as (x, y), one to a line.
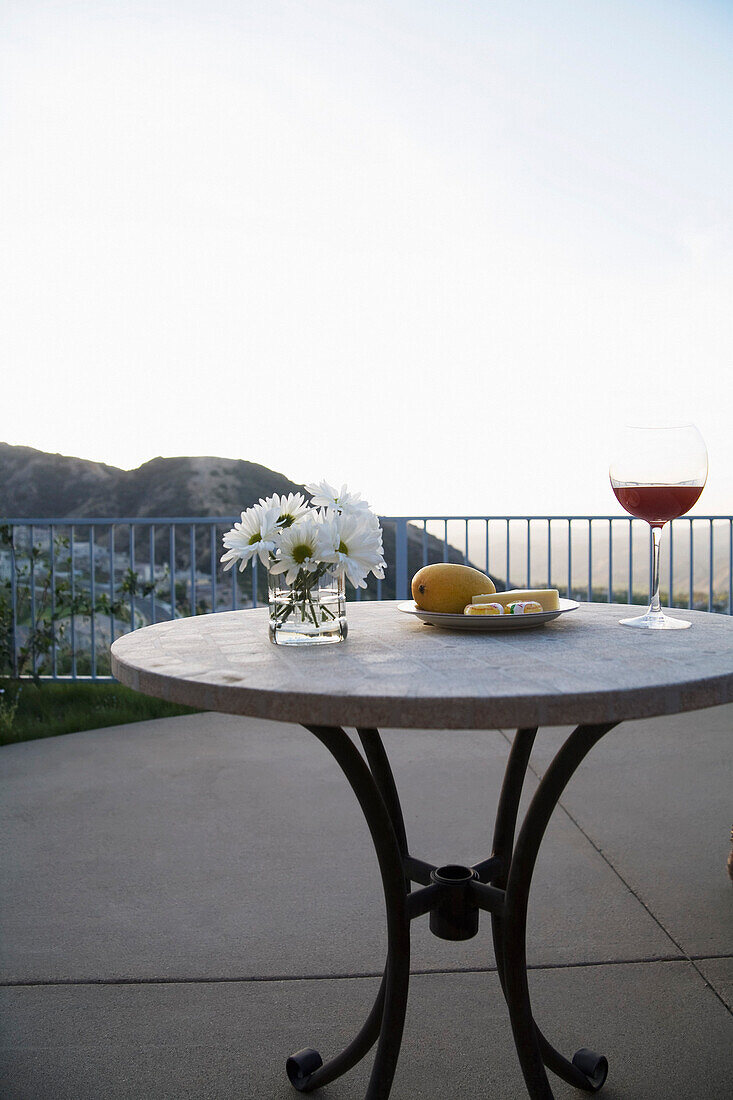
(453, 895)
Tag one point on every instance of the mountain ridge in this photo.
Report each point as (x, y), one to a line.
(40, 485)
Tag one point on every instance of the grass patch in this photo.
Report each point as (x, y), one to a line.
(53, 708)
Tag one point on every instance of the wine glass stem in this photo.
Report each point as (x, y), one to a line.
(655, 607)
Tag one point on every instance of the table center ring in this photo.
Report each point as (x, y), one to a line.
(455, 917)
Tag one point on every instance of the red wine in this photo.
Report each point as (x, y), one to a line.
(657, 503)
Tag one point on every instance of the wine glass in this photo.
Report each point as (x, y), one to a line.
(657, 474)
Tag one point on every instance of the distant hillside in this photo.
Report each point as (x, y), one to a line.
(35, 484)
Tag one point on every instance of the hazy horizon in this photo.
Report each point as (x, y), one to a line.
(615, 511)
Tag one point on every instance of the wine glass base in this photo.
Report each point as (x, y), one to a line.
(656, 620)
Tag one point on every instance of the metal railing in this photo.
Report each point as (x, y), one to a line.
(69, 587)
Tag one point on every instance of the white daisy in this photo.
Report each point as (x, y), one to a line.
(298, 549)
(256, 534)
(353, 546)
(291, 508)
(325, 496)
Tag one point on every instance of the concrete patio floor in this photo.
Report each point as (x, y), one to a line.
(185, 902)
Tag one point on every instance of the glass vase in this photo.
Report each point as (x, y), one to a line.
(312, 611)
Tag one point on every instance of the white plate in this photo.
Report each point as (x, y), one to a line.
(485, 622)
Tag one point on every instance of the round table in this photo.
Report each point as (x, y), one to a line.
(581, 669)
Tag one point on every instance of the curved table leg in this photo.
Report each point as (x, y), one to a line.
(306, 1070)
(506, 822)
(382, 773)
(587, 1070)
(503, 843)
(387, 1016)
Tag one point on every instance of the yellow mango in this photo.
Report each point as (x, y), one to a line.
(448, 588)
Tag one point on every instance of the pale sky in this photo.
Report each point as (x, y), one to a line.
(437, 249)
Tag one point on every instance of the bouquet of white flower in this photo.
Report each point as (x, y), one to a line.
(314, 544)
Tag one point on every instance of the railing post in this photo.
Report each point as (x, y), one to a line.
(34, 624)
(72, 617)
(52, 569)
(711, 560)
(400, 533)
(14, 602)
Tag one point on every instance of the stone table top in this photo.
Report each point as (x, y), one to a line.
(395, 671)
